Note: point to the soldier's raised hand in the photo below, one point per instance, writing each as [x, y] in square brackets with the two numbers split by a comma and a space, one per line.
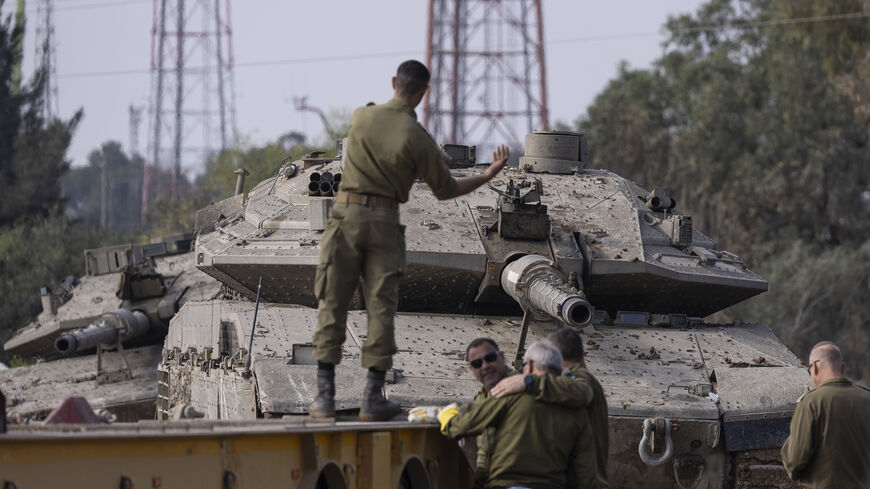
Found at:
[499, 159]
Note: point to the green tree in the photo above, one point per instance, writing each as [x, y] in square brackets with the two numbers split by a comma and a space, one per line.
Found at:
[31, 149]
[262, 162]
[818, 293]
[35, 238]
[83, 189]
[740, 121]
[760, 125]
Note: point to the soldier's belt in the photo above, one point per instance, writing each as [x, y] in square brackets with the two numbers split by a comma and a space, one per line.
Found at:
[372, 200]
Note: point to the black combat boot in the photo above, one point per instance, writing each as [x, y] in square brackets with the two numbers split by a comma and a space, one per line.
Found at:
[375, 407]
[324, 404]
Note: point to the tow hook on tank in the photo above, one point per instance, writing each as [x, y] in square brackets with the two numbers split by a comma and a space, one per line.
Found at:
[651, 425]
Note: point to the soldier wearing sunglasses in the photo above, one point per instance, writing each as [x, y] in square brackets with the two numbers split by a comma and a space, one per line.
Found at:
[487, 365]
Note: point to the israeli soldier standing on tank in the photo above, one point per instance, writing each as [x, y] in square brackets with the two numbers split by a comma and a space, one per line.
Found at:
[829, 443]
[386, 151]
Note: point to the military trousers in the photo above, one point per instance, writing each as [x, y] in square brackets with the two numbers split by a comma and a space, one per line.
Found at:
[359, 241]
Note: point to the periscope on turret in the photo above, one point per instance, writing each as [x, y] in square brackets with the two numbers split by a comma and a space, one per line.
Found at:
[551, 242]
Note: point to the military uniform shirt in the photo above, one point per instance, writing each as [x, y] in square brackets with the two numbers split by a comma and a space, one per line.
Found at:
[829, 442]
[483, 439]
[588, 396]
[388, 149]
[534, 442]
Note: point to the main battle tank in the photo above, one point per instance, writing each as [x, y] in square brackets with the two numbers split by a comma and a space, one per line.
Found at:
[99, 336]
[547, 243]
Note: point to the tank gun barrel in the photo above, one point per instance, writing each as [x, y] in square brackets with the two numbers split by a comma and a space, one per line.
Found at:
[109, 329]
[539, 286]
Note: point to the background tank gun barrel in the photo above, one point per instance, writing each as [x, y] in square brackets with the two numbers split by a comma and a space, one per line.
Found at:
[112, 327]
[539, 286]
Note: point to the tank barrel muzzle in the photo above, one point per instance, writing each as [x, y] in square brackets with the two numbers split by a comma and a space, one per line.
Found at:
[108, 330]
[537, 285]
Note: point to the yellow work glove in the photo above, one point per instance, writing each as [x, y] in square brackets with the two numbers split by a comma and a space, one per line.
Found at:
[423, 414]
[447, 413]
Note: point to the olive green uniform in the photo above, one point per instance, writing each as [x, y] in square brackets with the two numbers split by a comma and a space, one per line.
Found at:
[595, 405]
[829, 443]
[386, 151]
[484, 443]
[534, 443]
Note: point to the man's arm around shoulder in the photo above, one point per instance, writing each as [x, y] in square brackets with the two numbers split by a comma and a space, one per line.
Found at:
[575, 392]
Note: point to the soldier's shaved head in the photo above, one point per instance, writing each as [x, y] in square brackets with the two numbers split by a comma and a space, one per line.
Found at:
[826, 362]
[828, 352]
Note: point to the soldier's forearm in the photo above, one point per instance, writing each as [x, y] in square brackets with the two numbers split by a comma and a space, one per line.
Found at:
[469, 184]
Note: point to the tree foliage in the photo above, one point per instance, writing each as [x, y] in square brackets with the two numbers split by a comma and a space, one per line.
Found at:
[750, 118]
[109, 169]
[34, 236]
[31, 149]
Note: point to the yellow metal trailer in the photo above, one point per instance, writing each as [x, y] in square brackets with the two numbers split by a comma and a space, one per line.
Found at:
[285, 453]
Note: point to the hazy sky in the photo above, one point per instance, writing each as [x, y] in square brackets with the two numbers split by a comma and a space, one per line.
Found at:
[585, 42]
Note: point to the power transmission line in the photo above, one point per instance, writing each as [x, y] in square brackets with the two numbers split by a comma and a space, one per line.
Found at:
[92, 5]
[608, 37]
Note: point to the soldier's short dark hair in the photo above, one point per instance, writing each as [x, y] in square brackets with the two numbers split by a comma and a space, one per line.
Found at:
[479, 341]
[411, 77]
[569, 343]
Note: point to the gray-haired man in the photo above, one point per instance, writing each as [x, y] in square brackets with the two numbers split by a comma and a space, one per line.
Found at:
[535, 443]
[829, 443]
[586, 394]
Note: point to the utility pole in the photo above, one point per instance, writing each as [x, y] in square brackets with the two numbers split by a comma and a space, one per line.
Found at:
[46, 55]
[192, 108]
[489, 76]
[104, 193]
[135, 121]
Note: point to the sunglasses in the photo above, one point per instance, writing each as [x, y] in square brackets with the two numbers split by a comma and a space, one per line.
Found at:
[489, 358]
[810, 368]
